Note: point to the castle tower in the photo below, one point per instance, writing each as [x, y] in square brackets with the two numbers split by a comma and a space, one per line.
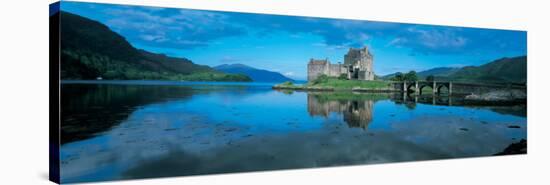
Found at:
[315, 68]
[359, 63]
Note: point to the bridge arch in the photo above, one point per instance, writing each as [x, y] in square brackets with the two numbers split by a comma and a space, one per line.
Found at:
[411, 87]
[443, 86]
[421, 87]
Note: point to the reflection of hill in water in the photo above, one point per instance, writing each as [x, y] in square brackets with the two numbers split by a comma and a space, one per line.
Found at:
[357, 112]
[87, 109]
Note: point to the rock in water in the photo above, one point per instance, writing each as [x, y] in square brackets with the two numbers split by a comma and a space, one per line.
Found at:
[515, 148]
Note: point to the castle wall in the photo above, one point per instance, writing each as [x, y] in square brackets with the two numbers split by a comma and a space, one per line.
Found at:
[315, 70]
[366, 75]
[362, 75]
[336, 70]
[370, 76]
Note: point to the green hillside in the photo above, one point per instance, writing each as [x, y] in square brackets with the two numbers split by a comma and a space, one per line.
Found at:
[501, 70]
[90, 50]
[504, 70]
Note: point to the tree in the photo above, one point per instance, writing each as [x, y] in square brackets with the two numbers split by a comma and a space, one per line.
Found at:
[321, 79]
[288, 83]
[398, 77]
[410, 76]
[343, 77]
[430, 78]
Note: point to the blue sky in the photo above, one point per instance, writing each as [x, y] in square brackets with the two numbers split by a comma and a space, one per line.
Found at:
[286, 43]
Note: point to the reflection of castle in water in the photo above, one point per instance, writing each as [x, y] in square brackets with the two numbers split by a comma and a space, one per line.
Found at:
[357, 113]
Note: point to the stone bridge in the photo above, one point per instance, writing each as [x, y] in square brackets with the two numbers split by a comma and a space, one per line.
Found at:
[457, 88]
[433, 100]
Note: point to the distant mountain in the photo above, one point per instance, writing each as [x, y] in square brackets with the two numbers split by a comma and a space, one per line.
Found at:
[258, 75]
[89, 50]
[502, 70]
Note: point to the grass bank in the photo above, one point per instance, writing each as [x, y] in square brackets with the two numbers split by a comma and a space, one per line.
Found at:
[335, 84]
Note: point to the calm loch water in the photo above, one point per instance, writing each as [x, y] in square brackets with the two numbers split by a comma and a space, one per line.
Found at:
[139, 129]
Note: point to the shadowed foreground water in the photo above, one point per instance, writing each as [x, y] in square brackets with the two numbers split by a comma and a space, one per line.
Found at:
[123, 130]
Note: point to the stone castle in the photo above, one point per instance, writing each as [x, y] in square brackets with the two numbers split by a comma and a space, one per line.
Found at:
[357, 66]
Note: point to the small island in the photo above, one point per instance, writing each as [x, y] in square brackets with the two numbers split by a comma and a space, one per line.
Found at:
[356, 74]
[325, 83]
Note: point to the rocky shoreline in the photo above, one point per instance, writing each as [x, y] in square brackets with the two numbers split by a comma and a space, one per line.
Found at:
[493, 98]
[498, 97]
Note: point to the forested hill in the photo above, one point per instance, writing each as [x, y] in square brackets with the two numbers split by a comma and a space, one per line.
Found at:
[502, 70]
[89, 50]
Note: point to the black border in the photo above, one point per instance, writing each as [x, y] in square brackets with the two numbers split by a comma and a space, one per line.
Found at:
[54, 44]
